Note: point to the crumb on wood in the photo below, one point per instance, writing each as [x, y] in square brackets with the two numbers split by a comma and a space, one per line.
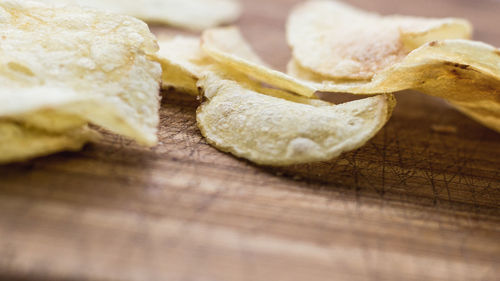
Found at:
[444, 129]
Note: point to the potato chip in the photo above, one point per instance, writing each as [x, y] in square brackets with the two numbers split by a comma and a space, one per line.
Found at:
[244, 99]
[270, 130]
[18, 142]
[341, 42]
[50, 121]
[228, 47]
[92, 66]
[184, 63]
[465, 73]
[191, 14]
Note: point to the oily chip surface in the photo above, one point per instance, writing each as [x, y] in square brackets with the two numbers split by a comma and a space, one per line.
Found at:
[190, 14]
[269, 130]
[465, 73]
[91, 65]
[341, 42]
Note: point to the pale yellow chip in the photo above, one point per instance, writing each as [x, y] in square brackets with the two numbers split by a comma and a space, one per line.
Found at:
[270, 130]
[246, 99]
[341, 42]
[184, 63]
[465, 73]
[191, 14]
[92, 66]
[228, 47]
[19, 142]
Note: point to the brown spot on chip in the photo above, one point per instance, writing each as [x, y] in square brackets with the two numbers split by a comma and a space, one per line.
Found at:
[433, 43]
[497, 51]
[457, 65]
[455, 73]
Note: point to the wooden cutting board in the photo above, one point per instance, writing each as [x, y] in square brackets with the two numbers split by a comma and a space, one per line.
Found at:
[419, 202]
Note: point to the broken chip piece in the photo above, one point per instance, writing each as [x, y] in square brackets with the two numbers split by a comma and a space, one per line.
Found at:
[465, 73]
[340, 42]
[54, 62]
[270, 130]
[190, 14]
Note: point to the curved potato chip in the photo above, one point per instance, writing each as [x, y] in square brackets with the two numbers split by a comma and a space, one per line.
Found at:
[341, 42]
[184, 63]
[52, 58]
[18, 142]
[465, 73]
[226, 42]
[273, 131]
[50, 121]
[228, 47]
[191, 14]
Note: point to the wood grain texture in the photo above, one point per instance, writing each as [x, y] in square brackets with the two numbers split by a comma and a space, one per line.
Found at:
[419, 202]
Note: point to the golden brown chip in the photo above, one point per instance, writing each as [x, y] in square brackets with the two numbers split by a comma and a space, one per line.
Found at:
[465, 73]
[269, 130]
[53, 60]
[191, 14]
[341, 42]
